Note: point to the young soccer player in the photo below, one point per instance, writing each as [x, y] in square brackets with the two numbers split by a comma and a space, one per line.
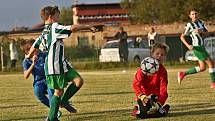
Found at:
[151, 89]
[57, 69]
[195, 29]
[35, 66]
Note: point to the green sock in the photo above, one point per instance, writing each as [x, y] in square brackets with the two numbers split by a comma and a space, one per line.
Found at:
[212, 74]
[192, 71]
[70, 91]
[55, 102]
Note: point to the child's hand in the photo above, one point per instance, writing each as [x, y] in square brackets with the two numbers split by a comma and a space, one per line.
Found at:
[155, 107]
[27, 56]
[34, 59]
[144, 99]
[197, 30]
[190, 47]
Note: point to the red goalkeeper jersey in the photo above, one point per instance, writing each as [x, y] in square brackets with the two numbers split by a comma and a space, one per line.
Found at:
[155, 84]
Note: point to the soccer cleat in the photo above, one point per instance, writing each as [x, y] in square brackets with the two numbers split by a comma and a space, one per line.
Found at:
[181, 76]
[213, 85]
[166, 108]
[135, 110]
[47, 119]
[69, 107]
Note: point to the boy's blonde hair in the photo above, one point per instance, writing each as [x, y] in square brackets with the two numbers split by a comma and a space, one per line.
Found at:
[48, 11]
[161, 46]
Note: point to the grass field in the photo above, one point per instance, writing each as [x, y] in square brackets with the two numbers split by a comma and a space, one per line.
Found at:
[107, 96]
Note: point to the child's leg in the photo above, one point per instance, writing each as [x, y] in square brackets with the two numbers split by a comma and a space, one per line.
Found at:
[210, 64]
[39, 92]
[73, 76]
[72, 89]
[142, 109]
[57, 82]
[194, 70]
[55, 102]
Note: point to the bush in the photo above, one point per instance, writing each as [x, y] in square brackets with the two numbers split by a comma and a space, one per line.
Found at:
[80, 53]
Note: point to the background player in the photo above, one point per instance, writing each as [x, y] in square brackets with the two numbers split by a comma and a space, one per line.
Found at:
[196, 29]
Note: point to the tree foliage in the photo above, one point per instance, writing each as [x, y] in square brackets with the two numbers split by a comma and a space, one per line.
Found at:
[66, 15]
[167, 11]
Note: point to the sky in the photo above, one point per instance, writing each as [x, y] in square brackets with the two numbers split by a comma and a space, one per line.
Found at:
[27, 12]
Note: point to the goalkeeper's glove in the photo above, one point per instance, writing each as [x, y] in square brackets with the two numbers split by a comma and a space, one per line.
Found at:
[156, 106]
[144, 99]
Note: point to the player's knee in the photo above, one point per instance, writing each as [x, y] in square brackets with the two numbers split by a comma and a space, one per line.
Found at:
[79, 82]
[202, 68]
[58, 92]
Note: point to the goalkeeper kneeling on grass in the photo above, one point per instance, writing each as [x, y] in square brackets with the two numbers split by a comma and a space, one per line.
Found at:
[151, 89]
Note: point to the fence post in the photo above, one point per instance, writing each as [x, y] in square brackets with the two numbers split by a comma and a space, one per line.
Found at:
[2, 57]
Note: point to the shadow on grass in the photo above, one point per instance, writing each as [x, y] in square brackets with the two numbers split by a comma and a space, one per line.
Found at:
[86, 116]
[13, 99]
[191, 106]
[101, 114]
[106, 93]
[192, 109]
[27, 118]
[199, 112]
[16, 106]
[84, 102]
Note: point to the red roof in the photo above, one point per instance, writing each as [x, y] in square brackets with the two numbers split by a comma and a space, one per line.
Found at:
[101, 20]
[101, 12]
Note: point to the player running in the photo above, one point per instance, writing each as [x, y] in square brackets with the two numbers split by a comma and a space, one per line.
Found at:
[196, 29]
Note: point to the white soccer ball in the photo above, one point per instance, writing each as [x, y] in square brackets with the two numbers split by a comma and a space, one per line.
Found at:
[150, 65]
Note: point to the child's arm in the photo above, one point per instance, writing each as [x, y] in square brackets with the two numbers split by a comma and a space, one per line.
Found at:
[183, 39]
[30, 69]
[137, 87]
[31, 51]
[34, 47]
[186, 32]
[82, 27]
[163, 87]
[137, 83]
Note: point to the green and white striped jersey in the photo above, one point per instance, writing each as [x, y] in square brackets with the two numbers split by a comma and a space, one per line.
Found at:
[52, 40]
[197, 39]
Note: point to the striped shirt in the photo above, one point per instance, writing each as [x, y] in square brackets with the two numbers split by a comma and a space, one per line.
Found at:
[52, 40]
[197, 39]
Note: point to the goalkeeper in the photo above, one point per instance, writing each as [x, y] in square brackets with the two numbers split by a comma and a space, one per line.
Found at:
[151, 89]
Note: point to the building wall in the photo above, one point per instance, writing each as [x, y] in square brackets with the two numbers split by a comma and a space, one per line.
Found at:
[99, 13]
[99, 38]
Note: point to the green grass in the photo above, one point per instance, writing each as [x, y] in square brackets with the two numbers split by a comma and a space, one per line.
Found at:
[107, 96]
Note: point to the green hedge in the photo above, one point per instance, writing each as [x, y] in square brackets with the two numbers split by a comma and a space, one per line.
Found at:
[80, 53]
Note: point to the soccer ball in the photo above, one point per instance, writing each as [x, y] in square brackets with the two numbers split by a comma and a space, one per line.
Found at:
[150, 65]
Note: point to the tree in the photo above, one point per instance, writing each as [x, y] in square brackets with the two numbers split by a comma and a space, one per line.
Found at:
[167, 11]
[66, 15]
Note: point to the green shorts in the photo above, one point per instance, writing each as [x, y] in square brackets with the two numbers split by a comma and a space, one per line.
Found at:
[200, 52]
[60, 81]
